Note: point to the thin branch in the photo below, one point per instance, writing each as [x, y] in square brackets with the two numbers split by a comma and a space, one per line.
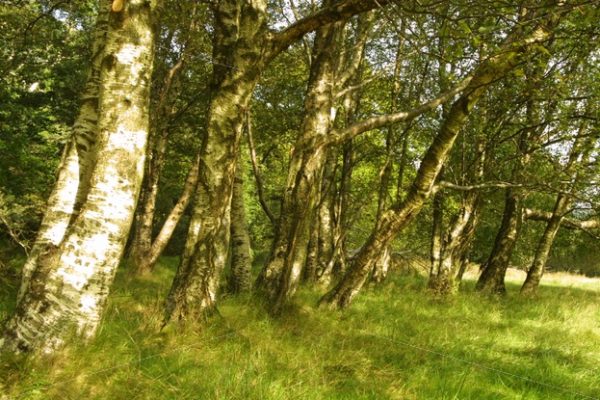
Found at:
[479, 186]
[336, 12]
[338, 137]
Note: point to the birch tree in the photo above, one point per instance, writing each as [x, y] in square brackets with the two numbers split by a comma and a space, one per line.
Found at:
[512, 53]
[67, 291]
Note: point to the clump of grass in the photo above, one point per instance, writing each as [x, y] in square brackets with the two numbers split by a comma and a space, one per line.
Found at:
[395, 342]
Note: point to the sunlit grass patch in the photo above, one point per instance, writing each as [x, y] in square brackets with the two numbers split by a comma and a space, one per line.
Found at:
[395, 342]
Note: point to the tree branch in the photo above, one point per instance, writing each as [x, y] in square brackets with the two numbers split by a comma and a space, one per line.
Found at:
[539, 215]
[480, 186]
[339, 137]
[336, 12]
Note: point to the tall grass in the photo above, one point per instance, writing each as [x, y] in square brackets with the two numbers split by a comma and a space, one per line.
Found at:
[395, 342]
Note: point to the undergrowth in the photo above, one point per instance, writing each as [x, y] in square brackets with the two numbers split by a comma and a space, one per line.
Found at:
[395, 342]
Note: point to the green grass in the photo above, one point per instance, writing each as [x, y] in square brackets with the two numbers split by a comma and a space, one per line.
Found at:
[395, 342]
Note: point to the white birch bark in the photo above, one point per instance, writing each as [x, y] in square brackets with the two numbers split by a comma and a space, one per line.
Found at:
[68, 290]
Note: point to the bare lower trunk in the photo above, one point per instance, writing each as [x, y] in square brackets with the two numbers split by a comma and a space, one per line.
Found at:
[144, 219]
[436, 238]
[492, 277]
[239, 36]
[280, 276]
[535, 272]
[241, 257]
[68, 290]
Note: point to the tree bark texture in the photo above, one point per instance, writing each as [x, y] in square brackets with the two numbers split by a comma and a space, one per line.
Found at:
[68, 290]
[280, 276]
[241, 253]
[240, 29]
[72, 183]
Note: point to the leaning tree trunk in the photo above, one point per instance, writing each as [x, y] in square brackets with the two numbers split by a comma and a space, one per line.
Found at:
[239, 35]
[241, 256]
[399, 215]
[243, 47]
[68, 290]
[72, 183]
[148, 260]
[581, 150]
[542, 252]
[492, 278]
[143, 249]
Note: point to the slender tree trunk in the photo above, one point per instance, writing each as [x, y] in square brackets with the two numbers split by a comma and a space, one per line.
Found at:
[239, 36]
[326, 221]
[144, 219]
[445, 276]
[241, 256]
[535, 272]
[492, 277]
[581, 149]
[382, 266]
[399, 215]
[142, 246]
[436, 238]
[69, 288]
[72, 183]
[150, 258]
[280, 276]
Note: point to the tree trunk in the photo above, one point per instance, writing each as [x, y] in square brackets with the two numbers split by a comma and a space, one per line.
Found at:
[436, 238]
[241, 257]
[144, 220]
[327, 221]
[535, 272]
[239, 36]
[150, 258]
[580, 153]
[446, 270]
[72, 183]
[399, 215]
[142, 247]
[280, 276]
[243, 47]
[69, 288]
[492, 277]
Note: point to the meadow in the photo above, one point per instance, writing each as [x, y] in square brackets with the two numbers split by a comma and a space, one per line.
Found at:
[395, 342]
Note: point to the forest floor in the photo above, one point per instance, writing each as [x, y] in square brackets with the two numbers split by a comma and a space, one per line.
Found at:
[395, 342]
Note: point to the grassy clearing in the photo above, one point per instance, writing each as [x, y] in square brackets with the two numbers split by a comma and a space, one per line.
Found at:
[396, 342]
